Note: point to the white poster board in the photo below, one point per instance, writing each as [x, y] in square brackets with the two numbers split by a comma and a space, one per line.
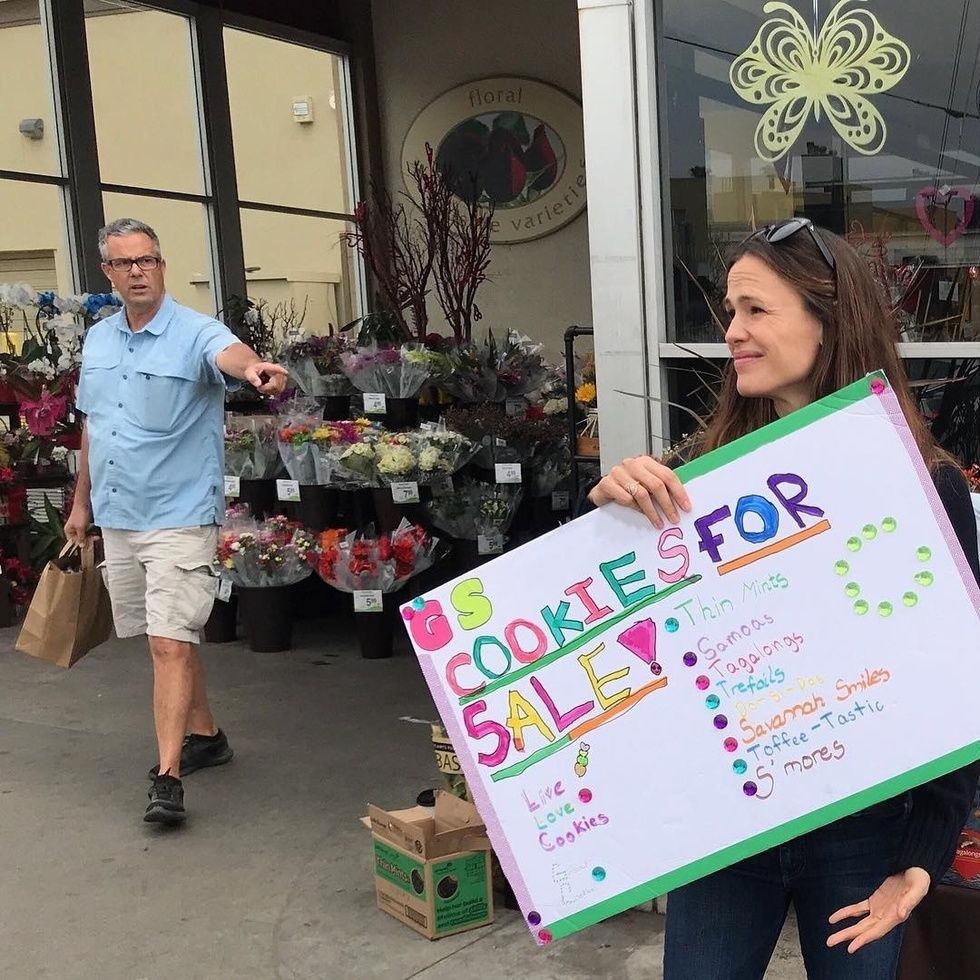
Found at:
[634, 709]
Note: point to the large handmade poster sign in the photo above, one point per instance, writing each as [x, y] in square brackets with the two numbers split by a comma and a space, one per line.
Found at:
[635, 708]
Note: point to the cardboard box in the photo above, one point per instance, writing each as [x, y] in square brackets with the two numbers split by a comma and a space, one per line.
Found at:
[966, 864]
[432, 866]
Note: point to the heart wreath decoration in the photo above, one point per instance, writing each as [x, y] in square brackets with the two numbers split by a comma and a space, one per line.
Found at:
[940, 197]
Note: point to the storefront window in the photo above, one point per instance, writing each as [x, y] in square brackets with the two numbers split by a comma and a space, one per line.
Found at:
[35, 251]
[886, 152]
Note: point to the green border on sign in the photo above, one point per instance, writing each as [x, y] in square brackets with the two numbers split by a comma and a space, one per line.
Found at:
[791, 423]
[766, 840]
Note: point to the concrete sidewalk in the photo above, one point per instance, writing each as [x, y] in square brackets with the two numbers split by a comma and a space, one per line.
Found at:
[272, 875]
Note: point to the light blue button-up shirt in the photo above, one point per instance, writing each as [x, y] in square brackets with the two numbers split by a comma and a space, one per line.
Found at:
[154, 402]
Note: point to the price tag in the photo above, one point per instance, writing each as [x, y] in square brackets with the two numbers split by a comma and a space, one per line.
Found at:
[443, 487]
[491, 543]
[500, 443]
[368, 600]
[405, 493]
[515, 406]
[559, 500]
[287, 489]
[508, 472]
[224, 589]
[375, 404]
[233, 486]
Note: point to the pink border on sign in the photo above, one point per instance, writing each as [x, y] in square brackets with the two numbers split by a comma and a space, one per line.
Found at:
[898, 420]
[486, 810]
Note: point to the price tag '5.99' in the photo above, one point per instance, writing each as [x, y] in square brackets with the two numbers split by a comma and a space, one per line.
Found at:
[375, 404]
[287, 489]
[233, 486]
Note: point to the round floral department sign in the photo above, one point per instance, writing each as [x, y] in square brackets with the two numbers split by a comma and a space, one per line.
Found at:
[513, 143]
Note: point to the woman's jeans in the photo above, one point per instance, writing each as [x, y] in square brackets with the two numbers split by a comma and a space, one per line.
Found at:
[725, 926]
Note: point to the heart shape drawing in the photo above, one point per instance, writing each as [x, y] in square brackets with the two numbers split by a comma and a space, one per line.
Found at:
[941, 197]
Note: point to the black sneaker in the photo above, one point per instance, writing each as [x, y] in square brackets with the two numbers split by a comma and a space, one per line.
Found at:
[166, 801]
[201, 751]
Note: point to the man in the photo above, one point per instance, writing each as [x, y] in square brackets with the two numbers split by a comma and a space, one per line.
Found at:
[151, 474]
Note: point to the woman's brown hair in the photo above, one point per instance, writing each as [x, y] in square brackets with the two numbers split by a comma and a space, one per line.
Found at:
[858, 337]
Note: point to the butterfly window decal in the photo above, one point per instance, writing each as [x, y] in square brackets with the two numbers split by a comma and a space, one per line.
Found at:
[835, 71]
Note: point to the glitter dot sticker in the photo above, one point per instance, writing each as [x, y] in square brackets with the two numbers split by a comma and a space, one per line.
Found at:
[885, 609]
[672, 626]
[721, 722]
[656, 669]
[841, 567]
[853, 544]
[690, 658]
[909, 599]
[584, 796]
[861, 607]
[712, 701]
[419, 603]
[852, 590]
[544, 936]
[889, 524]
[749, 788]
[730, 744]
[924, 578]
[739, 766]
[534, 918]
[599, 874]
[869, 532]
[923, 553]
[877, 386]
[407, 614]
[702, 683]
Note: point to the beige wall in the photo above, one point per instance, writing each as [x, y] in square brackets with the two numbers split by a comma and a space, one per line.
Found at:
[148, 135]
[426, 47]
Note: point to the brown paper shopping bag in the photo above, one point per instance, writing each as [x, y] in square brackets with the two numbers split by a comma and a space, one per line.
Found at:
[70, 612]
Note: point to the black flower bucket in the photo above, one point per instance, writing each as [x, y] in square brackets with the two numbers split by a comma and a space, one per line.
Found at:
[267, 618]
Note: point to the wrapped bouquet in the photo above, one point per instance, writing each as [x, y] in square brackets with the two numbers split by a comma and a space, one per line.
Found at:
[301, 416]
[353, 563]
[315, 364]
[475, 509]
[397, 372]
[251, 450]
[274, 553]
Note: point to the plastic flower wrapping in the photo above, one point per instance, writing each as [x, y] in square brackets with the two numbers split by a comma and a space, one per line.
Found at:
[503, 438]
[492, 372]
[251, 450]
[315, 364]
[298, 418]
[344, 452]
[396, 372]
[475, 508]
[255, 555]
[352, 562]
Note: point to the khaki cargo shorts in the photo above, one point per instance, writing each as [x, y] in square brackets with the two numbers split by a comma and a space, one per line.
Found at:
[160, 582]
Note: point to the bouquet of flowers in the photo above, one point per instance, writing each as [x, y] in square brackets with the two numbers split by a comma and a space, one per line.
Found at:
[251, 450]
[397, 458]
[352, 563]
[275, 552]
[475, 508]
[552, 396]
[467, 373]
[345, 453]
[520, 364]
[315, 364]
[424, 456]
[301, 416]
[397, 372]
[507, 439]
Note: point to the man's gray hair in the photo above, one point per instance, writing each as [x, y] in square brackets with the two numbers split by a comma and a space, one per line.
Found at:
[125, 226]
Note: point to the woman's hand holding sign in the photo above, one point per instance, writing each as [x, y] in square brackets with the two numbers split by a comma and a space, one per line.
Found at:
[648, 485]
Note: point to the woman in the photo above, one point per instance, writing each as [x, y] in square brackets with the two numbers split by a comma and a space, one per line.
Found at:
[806, 319]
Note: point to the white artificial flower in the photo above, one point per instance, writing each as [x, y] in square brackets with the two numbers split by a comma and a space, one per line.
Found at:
[251, 316]
[59, 454]
[17, 294]
[69, 304]
[65, 362]
[42, 367]
[555, 406]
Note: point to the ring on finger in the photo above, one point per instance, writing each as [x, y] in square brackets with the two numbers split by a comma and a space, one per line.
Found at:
[632, 488]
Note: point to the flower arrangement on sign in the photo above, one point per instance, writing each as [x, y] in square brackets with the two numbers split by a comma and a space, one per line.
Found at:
[396, 372]
[315, 364]
[262, 555]
[251, 449]
[353, 563]
[474, 509]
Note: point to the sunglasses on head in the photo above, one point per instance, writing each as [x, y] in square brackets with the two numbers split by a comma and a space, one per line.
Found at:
[779, 232]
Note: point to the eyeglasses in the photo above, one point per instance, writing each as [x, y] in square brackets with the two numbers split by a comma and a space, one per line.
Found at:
[146, 262]
[774, 234]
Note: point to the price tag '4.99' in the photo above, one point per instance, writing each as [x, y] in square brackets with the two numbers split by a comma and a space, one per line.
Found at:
[508, 472]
